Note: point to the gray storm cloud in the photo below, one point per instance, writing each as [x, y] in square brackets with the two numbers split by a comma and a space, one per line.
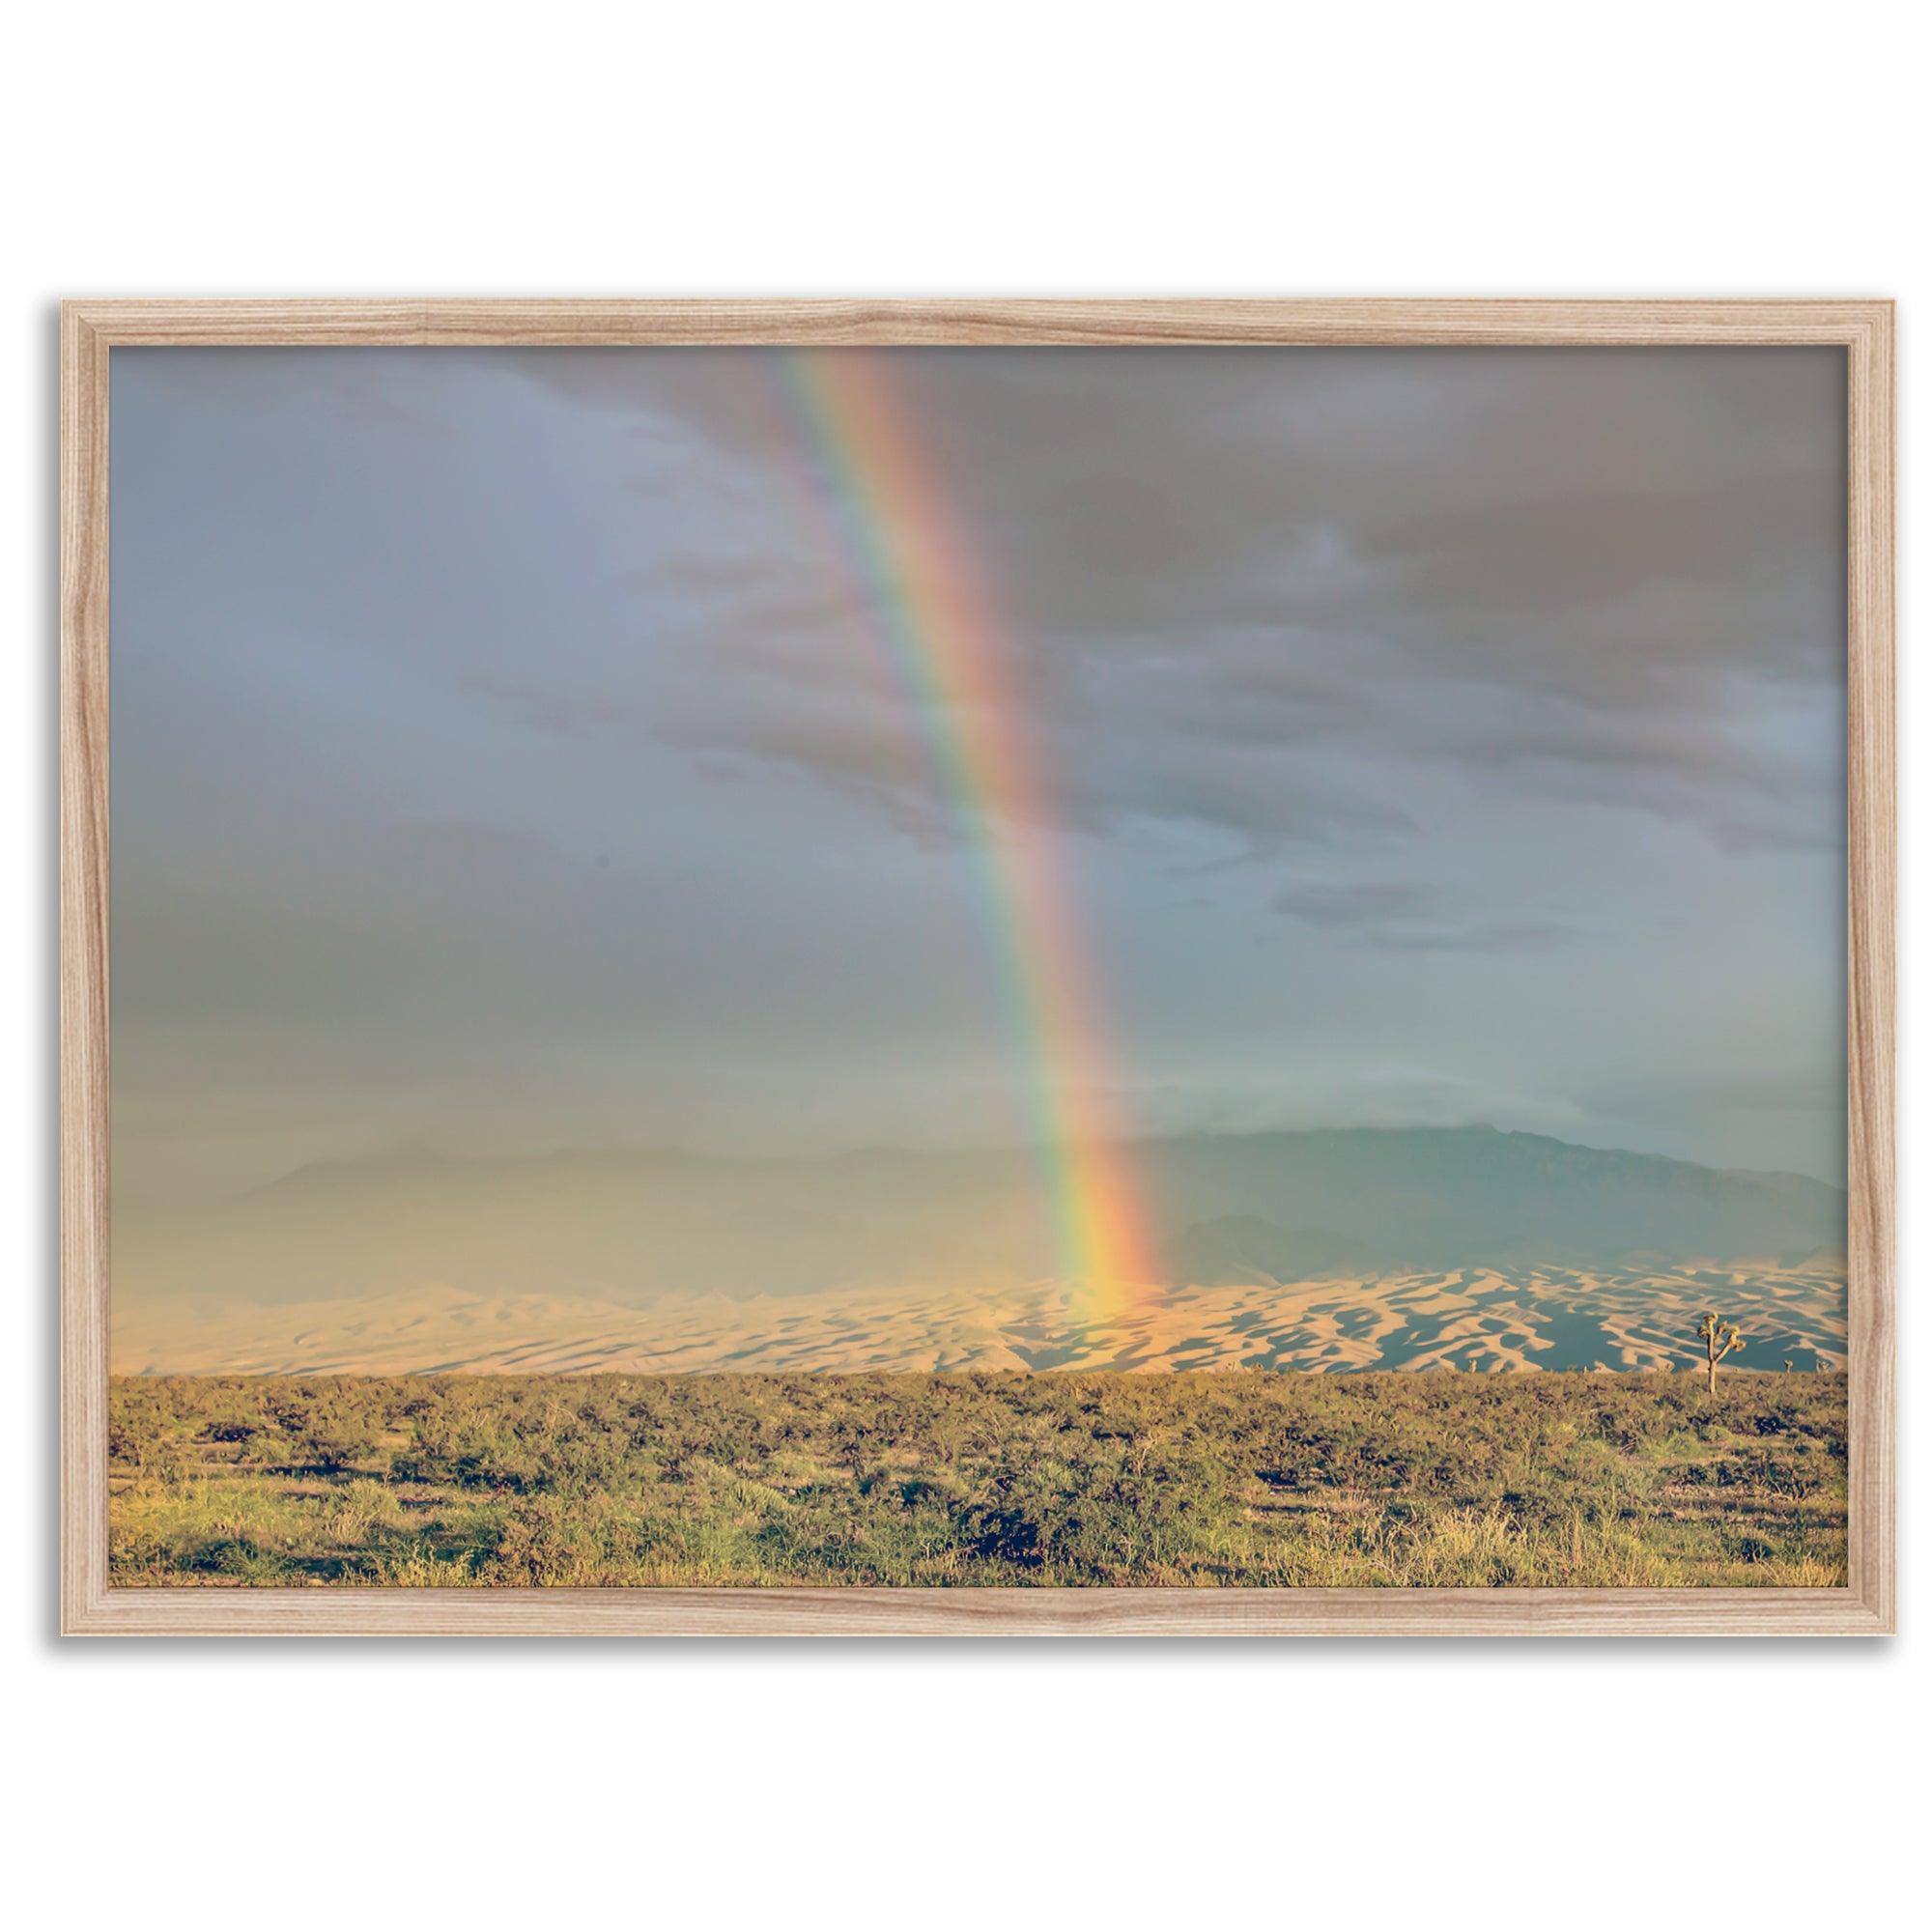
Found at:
[504, 757]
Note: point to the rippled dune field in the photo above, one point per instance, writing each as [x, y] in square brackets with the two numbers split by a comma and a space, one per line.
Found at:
[1471, 1319]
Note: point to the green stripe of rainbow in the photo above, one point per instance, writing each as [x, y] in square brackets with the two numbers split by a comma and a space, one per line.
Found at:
[927, 592]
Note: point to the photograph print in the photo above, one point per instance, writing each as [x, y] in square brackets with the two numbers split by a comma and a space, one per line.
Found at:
[1207, 967]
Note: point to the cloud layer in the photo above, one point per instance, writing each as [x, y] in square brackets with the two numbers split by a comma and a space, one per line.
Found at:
[507, 753]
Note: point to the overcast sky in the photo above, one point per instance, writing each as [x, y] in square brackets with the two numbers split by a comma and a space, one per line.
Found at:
[502, 761]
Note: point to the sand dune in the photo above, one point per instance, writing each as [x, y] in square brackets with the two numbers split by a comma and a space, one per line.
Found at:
[1471, 1319]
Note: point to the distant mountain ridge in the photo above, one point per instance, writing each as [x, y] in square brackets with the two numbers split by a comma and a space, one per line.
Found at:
[630, 1227]
[1458, 1197]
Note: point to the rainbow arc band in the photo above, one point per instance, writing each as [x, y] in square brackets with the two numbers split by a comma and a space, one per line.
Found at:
[927, 592]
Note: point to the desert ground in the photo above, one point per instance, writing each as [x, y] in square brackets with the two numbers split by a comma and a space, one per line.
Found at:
[1399, 1359]
[1193, 1480]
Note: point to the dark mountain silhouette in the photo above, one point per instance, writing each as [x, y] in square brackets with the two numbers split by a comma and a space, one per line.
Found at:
[628, 1227]
[1471, 1196]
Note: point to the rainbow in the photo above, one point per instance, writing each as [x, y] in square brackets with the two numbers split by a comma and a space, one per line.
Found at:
[904, 554]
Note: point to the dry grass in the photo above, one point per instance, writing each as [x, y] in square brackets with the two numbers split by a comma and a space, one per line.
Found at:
[1240, 1477]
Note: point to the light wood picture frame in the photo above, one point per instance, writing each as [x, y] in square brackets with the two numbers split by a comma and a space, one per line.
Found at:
[93, 330]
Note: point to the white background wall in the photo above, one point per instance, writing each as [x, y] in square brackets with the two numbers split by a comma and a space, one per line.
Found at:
[998, 148]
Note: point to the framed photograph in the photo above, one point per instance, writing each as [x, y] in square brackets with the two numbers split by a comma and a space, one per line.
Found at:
[978, 967]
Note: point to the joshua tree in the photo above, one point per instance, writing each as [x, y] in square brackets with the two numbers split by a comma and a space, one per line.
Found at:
[1720, 1339]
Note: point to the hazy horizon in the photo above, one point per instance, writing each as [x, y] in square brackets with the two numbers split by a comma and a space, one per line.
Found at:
[421, 1152]
[507, 761]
